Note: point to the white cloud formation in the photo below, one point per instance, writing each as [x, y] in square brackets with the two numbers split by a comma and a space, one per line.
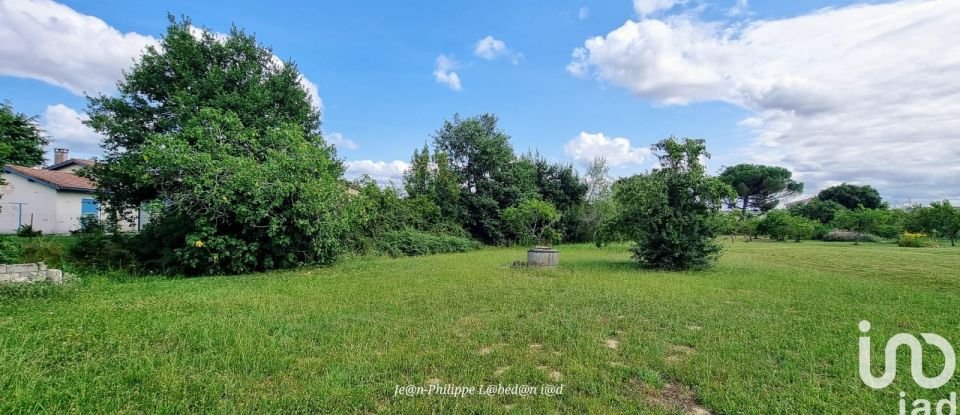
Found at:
[341, 142]
[53, 43]
[384, 172]
[50, 42]
[648, 7]
[861, 94]
[490, 48]
[618, 151]
[66, 129]
[444, 73]
[739, 8]
[583, 13]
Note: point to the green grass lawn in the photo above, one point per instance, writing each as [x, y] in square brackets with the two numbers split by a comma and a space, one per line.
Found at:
[771, 329]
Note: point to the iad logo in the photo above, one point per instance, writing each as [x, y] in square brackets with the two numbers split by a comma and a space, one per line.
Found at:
[916, 359]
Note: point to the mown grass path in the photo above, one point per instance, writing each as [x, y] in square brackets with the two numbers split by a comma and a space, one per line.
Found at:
[772, 329]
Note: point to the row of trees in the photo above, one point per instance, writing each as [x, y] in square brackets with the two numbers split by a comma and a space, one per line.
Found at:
[222, 145]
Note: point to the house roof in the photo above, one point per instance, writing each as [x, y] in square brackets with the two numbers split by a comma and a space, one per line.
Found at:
[60, 180]
[70, 162]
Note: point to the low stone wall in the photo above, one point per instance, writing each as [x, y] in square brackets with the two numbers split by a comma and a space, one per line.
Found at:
[30, 273]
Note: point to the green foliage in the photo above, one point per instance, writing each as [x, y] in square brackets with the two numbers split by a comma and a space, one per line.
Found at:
[822, 211]
[9, 250]
[776, 224]
[532, 222]
[474, 177]
[490, 180]
[841, 235]
[861, 220]
[916, 240]
[940, 219]
[409, 242]
[99, 245]
[852, 196]
[44, 249]
[670, 212]
[879, 222]
[781, 225]
[225, 142]
[26, 231]
[759, 187]
[21, 140]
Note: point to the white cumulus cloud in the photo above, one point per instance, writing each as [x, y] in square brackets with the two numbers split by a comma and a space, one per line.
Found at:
[864, 94]
[618, 151]
[53, 43]
[384, 172]
[66, 129]
[341, 142]
[491, 48]
[444, 73]
[647, 7]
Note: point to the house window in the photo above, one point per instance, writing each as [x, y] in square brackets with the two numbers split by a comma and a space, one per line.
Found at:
[90, 207]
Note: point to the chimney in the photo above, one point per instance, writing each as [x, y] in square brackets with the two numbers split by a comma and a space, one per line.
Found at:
[60, 155]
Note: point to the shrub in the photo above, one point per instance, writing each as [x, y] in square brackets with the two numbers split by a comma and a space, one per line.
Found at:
[100, 245]
[840, 235]
[532, 222]
[26, 231]
[916, 240]
[776, 224]
[47, 250]
[670, 212]
[409, 242]
[9, 250]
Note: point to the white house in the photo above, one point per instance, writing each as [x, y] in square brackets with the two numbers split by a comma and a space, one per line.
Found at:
[51, 199]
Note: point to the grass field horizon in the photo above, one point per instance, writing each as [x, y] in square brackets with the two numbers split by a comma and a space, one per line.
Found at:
[771, 329]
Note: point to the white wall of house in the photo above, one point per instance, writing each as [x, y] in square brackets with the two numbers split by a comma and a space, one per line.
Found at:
[37, 201]
[53, 212]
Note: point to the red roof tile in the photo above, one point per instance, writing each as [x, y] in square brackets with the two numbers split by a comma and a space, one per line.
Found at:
[59, 180]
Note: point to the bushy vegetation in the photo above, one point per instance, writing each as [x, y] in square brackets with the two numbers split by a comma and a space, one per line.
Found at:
[917, 240]
[671, 213]
[840, 235]
[409, 242]
[224, 144]
[9, 250]
[22, 141]
[26, 231]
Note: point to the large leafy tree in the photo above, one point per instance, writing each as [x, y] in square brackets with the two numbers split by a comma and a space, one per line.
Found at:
[942, 220]
[491, 178]
[759, 187]
[223, 141]
[852, 196]
[671, 213]
[816, 209]
[21, 140]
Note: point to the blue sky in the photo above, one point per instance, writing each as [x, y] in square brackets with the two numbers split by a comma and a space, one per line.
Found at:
[374, 65]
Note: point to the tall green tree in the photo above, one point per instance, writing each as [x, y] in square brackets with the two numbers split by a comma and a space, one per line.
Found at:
[491, 178]
[852, 196]
[942, 220]
[417, 180]
[759, 187]
[21, 140]
[223, 141]
[671, 213]
[816, 209]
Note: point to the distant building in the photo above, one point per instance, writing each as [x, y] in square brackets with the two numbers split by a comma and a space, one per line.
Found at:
[51, 199]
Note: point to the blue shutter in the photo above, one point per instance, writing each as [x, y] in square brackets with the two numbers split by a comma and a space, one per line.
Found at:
[90, 207]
